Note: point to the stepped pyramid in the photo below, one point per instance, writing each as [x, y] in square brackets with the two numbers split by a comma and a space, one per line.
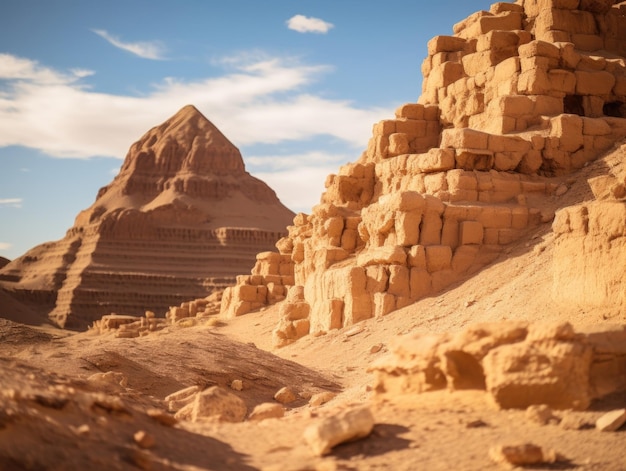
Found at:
[179, 221]
[514, 103]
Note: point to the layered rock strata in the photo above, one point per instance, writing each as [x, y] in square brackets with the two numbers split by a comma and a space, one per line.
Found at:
[517, 99]
[180, 220]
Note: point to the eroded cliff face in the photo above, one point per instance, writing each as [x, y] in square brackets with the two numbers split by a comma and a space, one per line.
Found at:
[180, 220]
[514, 103]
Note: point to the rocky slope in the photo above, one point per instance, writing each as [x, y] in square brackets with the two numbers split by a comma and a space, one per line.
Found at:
[180, 220]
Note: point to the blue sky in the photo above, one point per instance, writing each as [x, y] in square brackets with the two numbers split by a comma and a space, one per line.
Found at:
[296, 85]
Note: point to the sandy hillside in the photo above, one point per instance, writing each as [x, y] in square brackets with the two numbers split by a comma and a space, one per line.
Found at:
[55, 417]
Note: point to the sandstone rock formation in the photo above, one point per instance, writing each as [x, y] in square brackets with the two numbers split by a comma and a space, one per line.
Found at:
[517, 364]
[180, 220]
[518, 99]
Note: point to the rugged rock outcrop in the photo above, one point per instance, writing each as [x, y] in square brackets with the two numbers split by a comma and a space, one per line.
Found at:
[516, 363]
[518, 99]
[180, 220]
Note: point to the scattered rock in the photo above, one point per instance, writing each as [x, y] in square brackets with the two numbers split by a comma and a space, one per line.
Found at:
[347, 425]
[162, 417]
[521, 455]
[237, 385]
[354, 331]
[573, 421]
[376, 348]
[476, 424]
[540, 414]
[285, 395]
[561, 190]
[109, 381]
[611, 421]
[267, 410]
[180, 399]
[321, 398]
[214, 403]
[143, 439]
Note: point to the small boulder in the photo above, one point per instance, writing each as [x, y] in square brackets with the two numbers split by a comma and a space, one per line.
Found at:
[611, 421]
[214, 403]
[540, 414]
[521, 455]
[267, 410]
[285, 395]
[347, 425]
[321, 398]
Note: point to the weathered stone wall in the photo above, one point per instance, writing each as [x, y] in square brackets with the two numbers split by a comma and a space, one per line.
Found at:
[509, 105]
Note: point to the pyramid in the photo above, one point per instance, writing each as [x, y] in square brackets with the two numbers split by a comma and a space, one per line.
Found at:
[180, 221]
[514, 104]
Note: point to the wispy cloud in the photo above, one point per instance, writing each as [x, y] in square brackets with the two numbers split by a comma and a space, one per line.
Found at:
[308, 24]
[255, 101]
[5, 246]
[11, 202]
[145, 49]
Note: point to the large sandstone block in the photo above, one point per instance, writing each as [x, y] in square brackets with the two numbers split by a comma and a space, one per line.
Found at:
[435, 160]
[533, 8]
[555, 373]
[457, 138]
[572, 21]
[438, 257]
[445, 44]
[594, 83]
[474, 159]
[470, 232]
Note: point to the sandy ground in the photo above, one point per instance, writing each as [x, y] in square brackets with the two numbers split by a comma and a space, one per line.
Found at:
[53, 418]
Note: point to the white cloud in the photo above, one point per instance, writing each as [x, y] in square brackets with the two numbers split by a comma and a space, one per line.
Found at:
[308, 24]
[254, 102]
[297, 179]
[5, 246]
[11, 202]
[298, 188]
[144, 49]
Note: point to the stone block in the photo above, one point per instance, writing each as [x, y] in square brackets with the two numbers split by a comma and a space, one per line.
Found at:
[421, 283]
[588, 42]
[410, 111]
[348, 425]
[470, 232]
[218, 403]
[464, 138]
[539, 48]
[572, 21]
[596, 127]
[534, 82]
[562, 81]
[547, 105]
[417, 257]
[555, 373]
[407, 227]
[534, 8]
[450, 233]
[569, 129]
[464, 257]
[384, 303]
[399, 281]
[506, 21]
[474, 159]
[596, 6]
[398, 144]
[498, 217]
[438, 257]
[497, 40]
[430, 231]
[435, 160]
[444, 75]
[445, 44]
[405, 201]
[594, 83]
[387, 255]
[377, 278]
